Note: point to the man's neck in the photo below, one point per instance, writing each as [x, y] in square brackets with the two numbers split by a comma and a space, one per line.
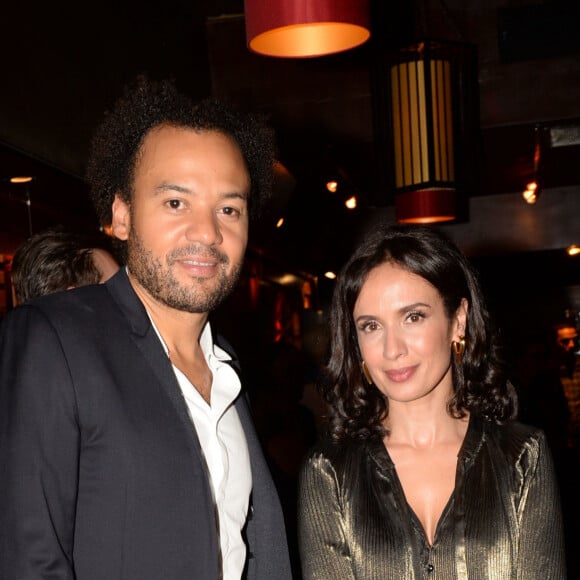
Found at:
[179, 329]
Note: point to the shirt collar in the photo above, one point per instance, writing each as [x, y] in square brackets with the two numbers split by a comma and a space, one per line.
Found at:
[209, 347]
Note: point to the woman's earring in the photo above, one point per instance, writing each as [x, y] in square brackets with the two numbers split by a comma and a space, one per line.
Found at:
[458, 348]
[366, 372]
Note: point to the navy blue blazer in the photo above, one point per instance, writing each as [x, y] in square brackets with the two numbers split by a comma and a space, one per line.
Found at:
[101, 471]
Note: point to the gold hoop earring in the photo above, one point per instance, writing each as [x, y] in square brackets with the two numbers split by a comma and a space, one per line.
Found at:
[366, 372]
[458, 347]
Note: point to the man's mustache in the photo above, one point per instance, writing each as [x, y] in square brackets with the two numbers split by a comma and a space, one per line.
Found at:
[197, 250]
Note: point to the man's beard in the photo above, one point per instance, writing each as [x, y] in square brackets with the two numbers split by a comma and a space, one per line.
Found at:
[202, 295]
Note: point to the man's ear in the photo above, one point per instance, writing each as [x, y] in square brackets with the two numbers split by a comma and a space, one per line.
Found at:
[121, 224]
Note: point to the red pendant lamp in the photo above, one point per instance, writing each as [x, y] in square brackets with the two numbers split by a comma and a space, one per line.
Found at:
[305, 28]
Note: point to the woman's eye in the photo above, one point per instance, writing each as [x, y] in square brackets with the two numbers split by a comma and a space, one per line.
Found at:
[369, 326]
[415, 316]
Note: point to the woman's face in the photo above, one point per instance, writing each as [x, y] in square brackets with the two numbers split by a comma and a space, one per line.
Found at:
[404, 334]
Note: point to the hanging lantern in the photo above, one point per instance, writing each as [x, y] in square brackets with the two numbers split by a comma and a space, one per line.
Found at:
[306, 28]
[423, 87]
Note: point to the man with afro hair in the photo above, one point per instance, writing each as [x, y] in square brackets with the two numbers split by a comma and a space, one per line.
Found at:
[127, 449]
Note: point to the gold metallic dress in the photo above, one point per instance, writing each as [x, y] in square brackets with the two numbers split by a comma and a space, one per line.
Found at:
[502, 522]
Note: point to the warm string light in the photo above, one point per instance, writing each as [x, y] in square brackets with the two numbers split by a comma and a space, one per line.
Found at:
[351, 202]
[332, 186]
[530, 194]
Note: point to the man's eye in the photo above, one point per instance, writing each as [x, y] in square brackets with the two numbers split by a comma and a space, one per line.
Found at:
[174, 203]
[230, 211]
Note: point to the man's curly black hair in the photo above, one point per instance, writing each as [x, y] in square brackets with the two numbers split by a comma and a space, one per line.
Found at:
[146, 104]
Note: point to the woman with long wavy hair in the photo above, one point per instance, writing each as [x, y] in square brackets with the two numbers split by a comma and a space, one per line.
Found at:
[425, 473]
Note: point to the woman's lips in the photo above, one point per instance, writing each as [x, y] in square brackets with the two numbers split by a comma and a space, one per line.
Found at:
[401, 375]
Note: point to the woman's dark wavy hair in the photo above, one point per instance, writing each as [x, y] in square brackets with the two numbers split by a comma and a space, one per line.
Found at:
[357, 410]
[146, 104]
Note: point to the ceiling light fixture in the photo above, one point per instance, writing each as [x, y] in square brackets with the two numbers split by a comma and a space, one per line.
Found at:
[427, 95]
[25, 181]
[305, 28]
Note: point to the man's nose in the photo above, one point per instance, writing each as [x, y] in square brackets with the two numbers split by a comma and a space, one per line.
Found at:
[204, 227]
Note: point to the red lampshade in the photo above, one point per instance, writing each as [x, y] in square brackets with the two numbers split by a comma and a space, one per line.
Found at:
[306, 28]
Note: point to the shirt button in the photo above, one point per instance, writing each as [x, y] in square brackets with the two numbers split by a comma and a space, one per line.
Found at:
[430, 568]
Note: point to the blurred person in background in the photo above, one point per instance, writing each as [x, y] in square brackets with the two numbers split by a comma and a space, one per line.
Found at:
[567, 340]
[56, 259]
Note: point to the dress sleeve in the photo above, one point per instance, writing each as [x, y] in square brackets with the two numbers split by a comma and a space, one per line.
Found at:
[39, 448]
[541, 551]
[324, 551]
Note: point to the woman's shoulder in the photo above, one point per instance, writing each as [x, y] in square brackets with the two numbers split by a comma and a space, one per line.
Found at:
[330, 447]
[340, 456]
[513, 429]
[514, 436]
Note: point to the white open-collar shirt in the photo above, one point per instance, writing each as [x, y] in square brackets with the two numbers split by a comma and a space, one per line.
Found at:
[225, 450]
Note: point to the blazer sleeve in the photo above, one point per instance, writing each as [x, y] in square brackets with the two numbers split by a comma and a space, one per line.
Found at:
[39, 448]
[541, 536]
[323, 546]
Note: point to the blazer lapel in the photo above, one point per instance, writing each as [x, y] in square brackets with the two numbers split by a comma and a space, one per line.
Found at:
[148, 342]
